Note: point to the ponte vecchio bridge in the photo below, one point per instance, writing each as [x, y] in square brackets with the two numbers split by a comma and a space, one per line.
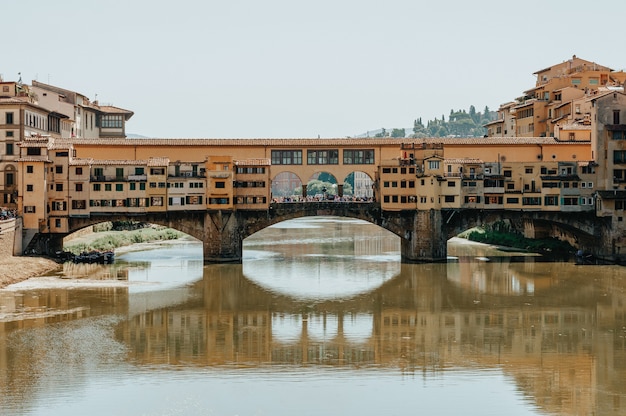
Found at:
[219, 190]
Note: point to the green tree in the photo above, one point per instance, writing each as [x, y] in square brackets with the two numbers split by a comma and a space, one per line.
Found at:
[398, 133]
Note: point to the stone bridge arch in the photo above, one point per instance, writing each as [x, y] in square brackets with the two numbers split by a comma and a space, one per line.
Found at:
[583, 230]
[423, 234]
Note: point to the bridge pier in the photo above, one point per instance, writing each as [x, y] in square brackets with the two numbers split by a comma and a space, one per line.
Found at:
[222, 241]
[423, 237]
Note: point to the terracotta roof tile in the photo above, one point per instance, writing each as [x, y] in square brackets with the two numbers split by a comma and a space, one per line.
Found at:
[34, 159]
[463, 161]
[253, 162]
[158, 161]
[310, 142]
[118, 162]
[80, 161]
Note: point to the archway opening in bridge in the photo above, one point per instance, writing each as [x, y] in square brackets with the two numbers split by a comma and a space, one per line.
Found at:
[358, 185]
[286, 184]
[322, 257]
[322, 185]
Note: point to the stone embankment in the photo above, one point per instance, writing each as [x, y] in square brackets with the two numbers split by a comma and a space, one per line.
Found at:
[14, 269]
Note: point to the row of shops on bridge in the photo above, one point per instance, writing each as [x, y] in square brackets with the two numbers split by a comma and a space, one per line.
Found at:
[55, 185]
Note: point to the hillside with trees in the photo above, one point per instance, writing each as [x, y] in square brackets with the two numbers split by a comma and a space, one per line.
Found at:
[459, 123]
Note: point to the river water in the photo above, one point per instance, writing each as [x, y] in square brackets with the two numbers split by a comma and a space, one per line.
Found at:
[321, 318]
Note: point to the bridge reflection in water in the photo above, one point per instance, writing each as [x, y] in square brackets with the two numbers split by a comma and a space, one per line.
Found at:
[557, 329]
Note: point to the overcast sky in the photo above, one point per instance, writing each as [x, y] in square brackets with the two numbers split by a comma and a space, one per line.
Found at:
[291, 68]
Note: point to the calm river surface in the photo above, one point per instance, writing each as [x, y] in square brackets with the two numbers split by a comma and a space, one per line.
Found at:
[320, 319]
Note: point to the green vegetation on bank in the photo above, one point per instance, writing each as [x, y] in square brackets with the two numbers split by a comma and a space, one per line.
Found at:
[501, 234]
[116, 235]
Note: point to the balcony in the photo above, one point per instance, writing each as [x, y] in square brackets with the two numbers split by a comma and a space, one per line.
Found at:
[114, 178]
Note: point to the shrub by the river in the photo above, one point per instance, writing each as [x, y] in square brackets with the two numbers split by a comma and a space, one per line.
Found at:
[502, 234]
[114, 239]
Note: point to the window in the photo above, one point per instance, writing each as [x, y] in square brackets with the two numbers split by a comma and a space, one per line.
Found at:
[218, 201]
[619, 156]
[142, 186]
[79, 187]
[286, 157]
[615, 116]
[451, 184]
[323, 157]
[139, 171]
[119, 187]
[33, 151]
[132, 186]
[29, 209]
[96, 187]
[59, 187]
[9, 148]
[156, 201]
[449, 198]
[531, 201]
[9, 134]
[79, 204]
[551, 200]
[119, 173]
[29, 188]
[220, 184]
[79, 171]
[107, 186]
[9, 119]
[112, 121]
[433, 164]
[358, 157]
[570, 201]
[59, 205]
[9, 179]
[58, 169]
[30, 169]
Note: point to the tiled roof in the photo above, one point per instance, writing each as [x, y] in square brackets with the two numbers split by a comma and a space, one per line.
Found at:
[158, 161]
[80, 161]
[34, 159]
[118, 162]
[253, 162]
[33, 143]
[312, 142]
[463, 161]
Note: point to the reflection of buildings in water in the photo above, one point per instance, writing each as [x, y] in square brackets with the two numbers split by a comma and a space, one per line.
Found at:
[36, 310]
[507, 276]
[417, 322]
[116, 271]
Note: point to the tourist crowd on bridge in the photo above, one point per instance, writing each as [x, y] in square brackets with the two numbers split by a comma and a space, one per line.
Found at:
[322, 198]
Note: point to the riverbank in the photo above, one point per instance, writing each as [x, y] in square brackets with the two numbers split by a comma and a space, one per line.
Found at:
[14, 269]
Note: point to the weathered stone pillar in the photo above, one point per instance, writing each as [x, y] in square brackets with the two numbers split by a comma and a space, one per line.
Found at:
[304, 190]
[340, 190]
[427, 240]
[222, 239]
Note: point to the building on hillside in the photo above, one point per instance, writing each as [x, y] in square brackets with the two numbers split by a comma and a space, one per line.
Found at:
[540, 110]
